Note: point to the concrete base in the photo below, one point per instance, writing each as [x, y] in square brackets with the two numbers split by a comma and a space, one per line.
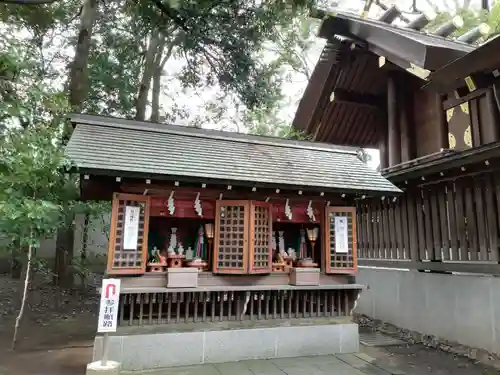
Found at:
[159, 350]
[95, 368]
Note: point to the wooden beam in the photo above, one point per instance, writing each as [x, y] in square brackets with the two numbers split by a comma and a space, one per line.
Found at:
[442, 122]
[351, 97]
[453, 102]
[492, 115]
[393, 130]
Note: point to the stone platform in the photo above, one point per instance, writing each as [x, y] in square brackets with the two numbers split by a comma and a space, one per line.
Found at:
[145, 351]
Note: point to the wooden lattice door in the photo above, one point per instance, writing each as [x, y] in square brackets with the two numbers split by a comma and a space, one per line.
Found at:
[260, 238]
[231, 237]
[340, 240]
[128, 240]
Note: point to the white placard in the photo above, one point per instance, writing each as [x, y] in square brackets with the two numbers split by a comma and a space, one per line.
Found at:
[131, 227]
[341, 235]
[108, 309]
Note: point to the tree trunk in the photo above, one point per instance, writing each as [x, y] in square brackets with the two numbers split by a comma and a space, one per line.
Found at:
[78, 75]
[25, 295]
[147, 75]
[160, 62]
[64, 257]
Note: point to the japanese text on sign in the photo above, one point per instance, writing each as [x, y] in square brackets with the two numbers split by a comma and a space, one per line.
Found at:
[108, 310]
[131, 227]
[341, 235]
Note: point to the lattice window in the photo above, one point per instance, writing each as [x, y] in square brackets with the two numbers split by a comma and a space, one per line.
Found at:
[231, 237]
[122, 260]
[340, 240]
[261, 255]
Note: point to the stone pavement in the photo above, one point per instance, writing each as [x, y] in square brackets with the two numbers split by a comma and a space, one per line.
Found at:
[342, 364]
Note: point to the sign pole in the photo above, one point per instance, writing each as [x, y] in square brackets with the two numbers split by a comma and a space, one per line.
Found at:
[105, 349]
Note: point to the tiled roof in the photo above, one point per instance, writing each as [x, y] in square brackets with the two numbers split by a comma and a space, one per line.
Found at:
[115, 145]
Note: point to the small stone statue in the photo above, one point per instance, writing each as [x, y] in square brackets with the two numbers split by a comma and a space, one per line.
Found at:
[180, 249]
[281, 241]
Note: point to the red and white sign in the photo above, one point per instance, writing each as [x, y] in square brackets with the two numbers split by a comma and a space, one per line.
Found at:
[108, 310]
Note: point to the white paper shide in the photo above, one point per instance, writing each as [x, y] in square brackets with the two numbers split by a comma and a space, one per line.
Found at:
[341, 235]
[131, 227]
[108, 309]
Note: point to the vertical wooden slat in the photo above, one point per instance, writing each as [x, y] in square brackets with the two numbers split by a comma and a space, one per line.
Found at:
[393, 253]
[412, 227]
[131, 299]
[385, 229]
[332, 303]
[318, 303]
[404, 223]
[481, 220]
[436, 227]
[375, 229]
[443, 217]
[429, 241]
[339, 302]
[230, 299]
[220, 302]
[275, 295]
[362, 232]
[461, 224]
[369, 229]
[252, 300]
[141, 307]
[282, 303]
[161, 299]
[151, 305]
[346, 302]
[291, 295]
[420, 223]
[492, 218]
[325, 303]
[267, 302]
[452, 221]
[471, 222]
[178, 301]
[304, 302]
[169, 307]
[310, 297]
[239, 308]
[196, 300]
[259, 305]
[213, 303]
[398, 228]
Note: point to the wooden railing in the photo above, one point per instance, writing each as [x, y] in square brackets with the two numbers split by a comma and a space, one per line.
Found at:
[451, 226]
[245, 304]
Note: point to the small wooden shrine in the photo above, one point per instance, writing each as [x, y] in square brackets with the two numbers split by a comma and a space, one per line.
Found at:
[211, 226]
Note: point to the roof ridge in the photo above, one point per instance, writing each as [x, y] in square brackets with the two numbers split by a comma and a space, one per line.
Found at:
[202, 133]
[406, 29]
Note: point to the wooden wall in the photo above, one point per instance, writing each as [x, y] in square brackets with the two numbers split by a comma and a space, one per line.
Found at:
[450, 226]
[424, 122]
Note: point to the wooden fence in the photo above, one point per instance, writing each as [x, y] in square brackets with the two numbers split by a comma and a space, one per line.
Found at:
[139, 309]
[447, 227]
